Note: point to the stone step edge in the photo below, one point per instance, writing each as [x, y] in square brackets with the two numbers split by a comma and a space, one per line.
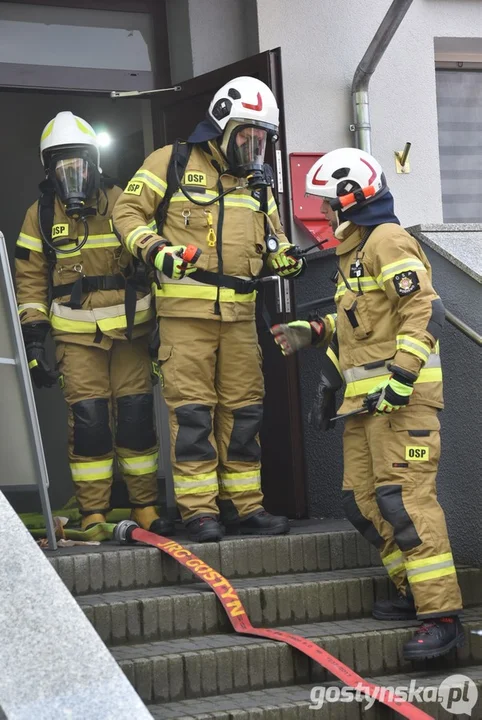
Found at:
[317, 631]
[261, 582]
[141, 617]
[292, 702]
[215, 671]
[131, 567]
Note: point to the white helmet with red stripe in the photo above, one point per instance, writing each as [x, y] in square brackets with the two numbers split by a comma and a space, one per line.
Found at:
[346, 177]
[246, 100]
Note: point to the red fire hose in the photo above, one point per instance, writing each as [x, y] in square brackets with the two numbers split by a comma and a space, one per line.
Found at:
[127, 531]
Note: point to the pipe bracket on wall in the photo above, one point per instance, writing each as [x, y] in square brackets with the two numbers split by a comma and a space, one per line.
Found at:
[402, 164]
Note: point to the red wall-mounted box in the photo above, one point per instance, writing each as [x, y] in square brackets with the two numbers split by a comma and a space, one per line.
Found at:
[306, 208]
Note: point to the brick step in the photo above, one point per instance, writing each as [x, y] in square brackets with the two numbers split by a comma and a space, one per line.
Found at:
[161, 613]
[292, 702]
[218, 664]
[110, 567]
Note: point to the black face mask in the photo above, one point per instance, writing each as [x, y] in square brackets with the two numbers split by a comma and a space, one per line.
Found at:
[75, 177]
[245, 153]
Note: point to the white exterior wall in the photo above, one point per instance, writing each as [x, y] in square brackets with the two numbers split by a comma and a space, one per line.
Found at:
[321, 45]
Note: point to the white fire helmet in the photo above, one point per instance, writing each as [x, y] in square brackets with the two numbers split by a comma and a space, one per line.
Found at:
[67, 131]
[246, 100]
[246, 112]
[346, 177]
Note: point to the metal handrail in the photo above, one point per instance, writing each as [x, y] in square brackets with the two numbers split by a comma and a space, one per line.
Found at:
[452, 319]
[464, 328]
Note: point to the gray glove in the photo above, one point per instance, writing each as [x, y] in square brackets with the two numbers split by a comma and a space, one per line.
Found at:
[293, 336]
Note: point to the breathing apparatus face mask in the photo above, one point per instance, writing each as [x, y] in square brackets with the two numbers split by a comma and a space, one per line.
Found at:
[75, 178]
[244, 146]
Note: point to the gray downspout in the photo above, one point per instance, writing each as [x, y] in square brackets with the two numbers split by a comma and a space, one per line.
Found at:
[366, 68]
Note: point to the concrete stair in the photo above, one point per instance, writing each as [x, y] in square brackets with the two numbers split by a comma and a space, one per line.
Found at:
[171, 636]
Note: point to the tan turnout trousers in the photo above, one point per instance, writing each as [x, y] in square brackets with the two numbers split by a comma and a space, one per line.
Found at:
[213, 386]
[109, 394]
[389, 494]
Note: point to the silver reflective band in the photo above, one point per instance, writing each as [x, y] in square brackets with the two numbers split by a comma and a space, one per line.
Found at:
[361, 373]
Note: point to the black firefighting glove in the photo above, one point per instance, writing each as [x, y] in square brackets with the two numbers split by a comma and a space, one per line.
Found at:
[323, 407]
[34, 335]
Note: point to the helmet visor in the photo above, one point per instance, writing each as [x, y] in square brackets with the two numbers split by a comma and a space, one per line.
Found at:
[249, 146]
[72, 176]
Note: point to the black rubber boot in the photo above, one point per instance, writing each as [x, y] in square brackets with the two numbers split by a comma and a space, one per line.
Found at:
[435, 637]
[261, 523]
[204, 529]
[402, 608]
[163, 526]
[148, 518]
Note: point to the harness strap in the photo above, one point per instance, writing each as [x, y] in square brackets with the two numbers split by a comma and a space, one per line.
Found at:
[87, 284]
[239, 285]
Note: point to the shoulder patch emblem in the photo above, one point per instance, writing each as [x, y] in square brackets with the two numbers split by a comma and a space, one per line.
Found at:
[406, 283]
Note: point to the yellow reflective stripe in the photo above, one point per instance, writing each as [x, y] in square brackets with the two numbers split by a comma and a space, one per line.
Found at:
[120, 321]
[72, 326]
[135, 235]
[86, 321]
[227, 295]
[196, 484]
[153, 181]
[393, 556]
[389, 271]
[83, 128]
[367, 284]
[332, 320]
[30, 242]
[32, 364]
[412, 345]
[178, 290]
[241, 481]
[71, 251]
[272, 206]
[47, 130]
[426, 562]
[94, 242]
[139, 465]
[394, 562]
[362, 387]
[34, 306]
[90, 471]
[432, 574]
[334, 359]
[241, 201]
[199, 195]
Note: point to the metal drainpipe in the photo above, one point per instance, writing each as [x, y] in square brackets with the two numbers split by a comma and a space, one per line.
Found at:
[366, 68]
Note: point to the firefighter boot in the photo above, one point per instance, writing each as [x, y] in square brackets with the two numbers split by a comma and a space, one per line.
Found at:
[261, 522]
[91, 519]
[402, 608]
[148, 519]
[204, 528]
[435, 637]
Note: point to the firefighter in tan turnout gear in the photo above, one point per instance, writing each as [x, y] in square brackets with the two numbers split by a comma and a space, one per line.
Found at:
[74, 278]
[387, 326]
[211, 195]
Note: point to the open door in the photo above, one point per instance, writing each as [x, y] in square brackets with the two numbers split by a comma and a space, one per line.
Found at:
[174, 116]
